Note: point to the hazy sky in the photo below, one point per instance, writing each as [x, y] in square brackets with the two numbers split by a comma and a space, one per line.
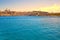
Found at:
[30, 5]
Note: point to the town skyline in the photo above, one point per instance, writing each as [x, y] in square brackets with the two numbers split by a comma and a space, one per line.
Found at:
[8, 12]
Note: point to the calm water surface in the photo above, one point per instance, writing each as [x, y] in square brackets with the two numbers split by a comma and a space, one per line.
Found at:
[29, 28]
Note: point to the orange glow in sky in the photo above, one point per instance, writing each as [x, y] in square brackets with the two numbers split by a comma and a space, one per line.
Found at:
[31, 5]
[53, 8]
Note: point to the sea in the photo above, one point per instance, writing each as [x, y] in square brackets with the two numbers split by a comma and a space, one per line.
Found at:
[29, 28]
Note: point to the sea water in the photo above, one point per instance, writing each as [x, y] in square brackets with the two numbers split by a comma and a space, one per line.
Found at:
[29, 28]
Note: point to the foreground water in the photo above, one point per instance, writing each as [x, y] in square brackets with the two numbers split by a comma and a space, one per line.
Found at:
[29, 28]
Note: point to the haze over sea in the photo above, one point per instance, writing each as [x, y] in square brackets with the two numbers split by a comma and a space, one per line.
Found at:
[29, 28]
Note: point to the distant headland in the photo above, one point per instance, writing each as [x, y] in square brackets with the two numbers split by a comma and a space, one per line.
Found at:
[32, 13]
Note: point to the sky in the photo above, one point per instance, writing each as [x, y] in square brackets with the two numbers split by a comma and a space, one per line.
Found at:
[31, 5]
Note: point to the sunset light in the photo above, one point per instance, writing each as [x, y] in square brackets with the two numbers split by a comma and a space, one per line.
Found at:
[31, 5]
[53, 8]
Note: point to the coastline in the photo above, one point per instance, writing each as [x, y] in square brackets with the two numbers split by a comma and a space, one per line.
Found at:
[33, 13]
